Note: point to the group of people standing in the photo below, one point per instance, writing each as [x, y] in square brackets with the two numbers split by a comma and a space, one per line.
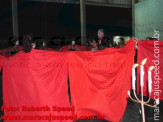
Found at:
[99, 43]
[28, 43]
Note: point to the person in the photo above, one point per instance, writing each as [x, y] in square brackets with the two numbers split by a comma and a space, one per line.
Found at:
[73, 47]
[103, 42]
[121, 43]
[41, 45]
[57, 43]
[28, 43]
[94, 45]
[16, 48]
[13, 49]
[151, 38]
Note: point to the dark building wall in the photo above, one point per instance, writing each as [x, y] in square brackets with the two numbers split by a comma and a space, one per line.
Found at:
[47, 20]
[113, 20]
[5, 22]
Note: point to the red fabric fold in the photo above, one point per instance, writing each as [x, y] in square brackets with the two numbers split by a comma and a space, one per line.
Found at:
[99, 81]
[38, 79]
[153, 51]
[1, 61]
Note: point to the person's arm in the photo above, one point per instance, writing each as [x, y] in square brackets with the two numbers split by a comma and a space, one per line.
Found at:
[136, 41]
[76, 48]
[7, 51]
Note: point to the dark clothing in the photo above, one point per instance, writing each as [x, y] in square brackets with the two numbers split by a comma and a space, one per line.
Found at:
[104, 43]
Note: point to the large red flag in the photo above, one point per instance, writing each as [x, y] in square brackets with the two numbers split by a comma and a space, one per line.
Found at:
[1, 61]
[99, 81]
[153, 51]
[35, 84]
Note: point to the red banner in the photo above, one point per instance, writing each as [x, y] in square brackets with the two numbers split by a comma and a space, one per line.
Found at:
[1, 61]
[153, 51]
[35, 86]
[99, 81]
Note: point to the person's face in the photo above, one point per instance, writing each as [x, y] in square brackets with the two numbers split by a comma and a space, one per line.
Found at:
[121, 41]
[73, 42]
[100, 34]
[44, 44]
[33, 45]
[17, 43]
[94, 44]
